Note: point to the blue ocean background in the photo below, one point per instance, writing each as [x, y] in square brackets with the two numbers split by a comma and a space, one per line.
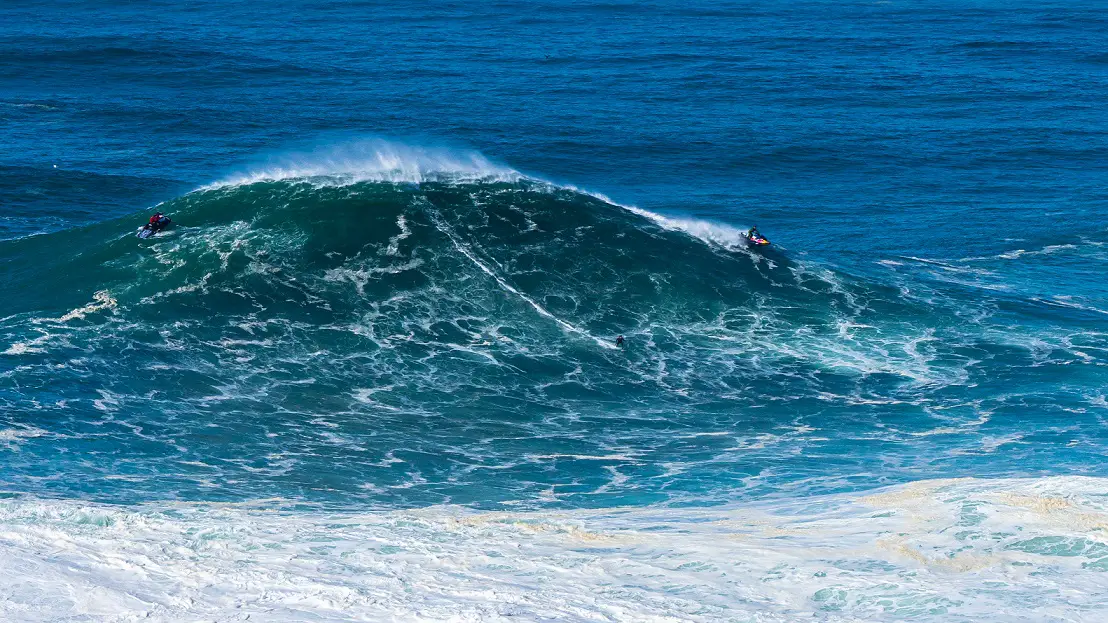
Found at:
[370, 374]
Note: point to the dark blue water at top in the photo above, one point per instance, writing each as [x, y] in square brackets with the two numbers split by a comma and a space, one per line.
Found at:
[947, 157]
[820, 118]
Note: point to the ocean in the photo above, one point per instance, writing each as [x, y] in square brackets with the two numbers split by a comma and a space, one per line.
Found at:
[371, 371]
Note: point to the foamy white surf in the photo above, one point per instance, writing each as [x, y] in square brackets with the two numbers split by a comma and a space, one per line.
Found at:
[718, 234]
[375, 161]
[945, 550]
[712, 234]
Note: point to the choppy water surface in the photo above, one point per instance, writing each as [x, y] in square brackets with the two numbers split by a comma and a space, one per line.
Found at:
[368, 378]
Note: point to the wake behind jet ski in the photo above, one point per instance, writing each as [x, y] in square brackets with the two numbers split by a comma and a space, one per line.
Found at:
[157, 223]
[755, 238]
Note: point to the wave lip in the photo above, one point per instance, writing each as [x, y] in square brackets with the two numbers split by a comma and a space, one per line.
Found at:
[375, 161]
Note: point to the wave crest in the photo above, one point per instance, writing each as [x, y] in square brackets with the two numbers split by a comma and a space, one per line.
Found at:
[375, 161]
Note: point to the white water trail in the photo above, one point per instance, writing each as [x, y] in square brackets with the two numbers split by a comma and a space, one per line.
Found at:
[461, 247]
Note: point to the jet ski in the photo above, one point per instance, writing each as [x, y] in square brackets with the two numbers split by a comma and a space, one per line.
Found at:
[154, 226]
[756, 239]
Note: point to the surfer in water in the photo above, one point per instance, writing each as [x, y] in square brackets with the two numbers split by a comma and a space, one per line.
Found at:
[619, 341]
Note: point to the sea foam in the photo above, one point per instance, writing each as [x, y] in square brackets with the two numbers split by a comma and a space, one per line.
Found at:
[375, 160]
[940, 550]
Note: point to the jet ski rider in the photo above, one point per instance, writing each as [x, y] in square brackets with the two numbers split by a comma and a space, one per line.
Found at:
[158, 221]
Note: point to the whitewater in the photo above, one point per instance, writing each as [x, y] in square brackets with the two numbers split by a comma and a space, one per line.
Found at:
[944, 550]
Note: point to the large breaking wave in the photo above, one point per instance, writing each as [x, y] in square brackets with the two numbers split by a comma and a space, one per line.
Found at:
[347, 350]
[418, 327]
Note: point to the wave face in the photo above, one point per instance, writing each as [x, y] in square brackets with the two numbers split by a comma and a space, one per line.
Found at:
[406, 336]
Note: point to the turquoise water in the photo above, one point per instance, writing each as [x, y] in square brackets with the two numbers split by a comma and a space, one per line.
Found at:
[384, 344]
[371, 371]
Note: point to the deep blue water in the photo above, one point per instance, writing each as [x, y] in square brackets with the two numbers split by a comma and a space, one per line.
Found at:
[407, 235]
